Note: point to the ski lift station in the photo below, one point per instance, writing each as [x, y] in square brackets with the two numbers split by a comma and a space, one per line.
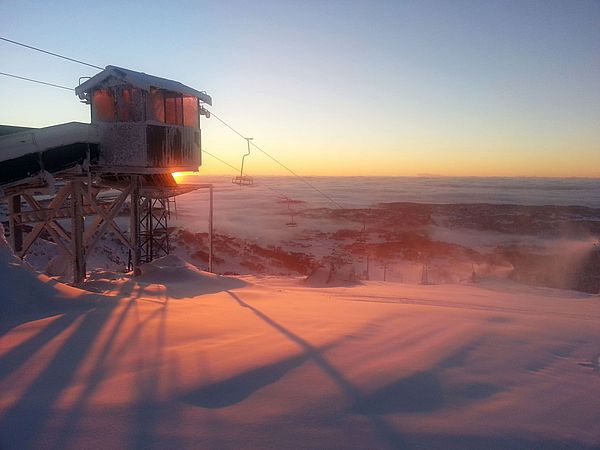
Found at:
[143, 128]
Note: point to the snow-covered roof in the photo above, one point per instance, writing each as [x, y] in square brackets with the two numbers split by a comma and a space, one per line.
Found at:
[140, 80]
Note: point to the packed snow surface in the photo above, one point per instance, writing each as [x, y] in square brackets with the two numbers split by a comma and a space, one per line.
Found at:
[179, 358]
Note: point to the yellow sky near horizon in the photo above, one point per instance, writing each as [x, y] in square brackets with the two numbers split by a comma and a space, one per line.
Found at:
[407, 160]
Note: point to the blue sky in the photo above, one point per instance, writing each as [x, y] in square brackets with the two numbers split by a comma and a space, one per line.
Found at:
[341, 87]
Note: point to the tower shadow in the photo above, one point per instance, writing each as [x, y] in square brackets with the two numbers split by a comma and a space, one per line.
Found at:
[384, 430]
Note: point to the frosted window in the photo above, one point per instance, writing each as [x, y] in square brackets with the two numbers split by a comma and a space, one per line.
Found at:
[173, 108]
[130, 106]
[157, 105]
[103, 105]
[190, 112]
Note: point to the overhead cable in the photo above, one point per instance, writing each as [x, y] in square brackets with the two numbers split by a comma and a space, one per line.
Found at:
[277, 191]
[303, 179]
[36, 81]
[51, 53]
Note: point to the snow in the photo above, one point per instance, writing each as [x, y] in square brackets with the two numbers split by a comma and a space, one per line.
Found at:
[32, 141]
[25, 291]
[179, 358]
[140, 80]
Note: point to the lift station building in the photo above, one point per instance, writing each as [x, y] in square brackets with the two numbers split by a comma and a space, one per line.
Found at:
[143, 128]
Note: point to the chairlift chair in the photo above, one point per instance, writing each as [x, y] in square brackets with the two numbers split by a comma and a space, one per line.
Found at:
[291, 223]
[241, 179]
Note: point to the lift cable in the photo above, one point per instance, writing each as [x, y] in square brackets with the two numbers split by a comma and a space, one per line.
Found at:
[51, 53]
[280, 193]
[36, 81]
[220, 160]
[277, 191]
[303, 179]
[312, 186]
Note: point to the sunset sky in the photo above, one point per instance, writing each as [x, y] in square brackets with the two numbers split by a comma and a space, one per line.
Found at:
[340, 87]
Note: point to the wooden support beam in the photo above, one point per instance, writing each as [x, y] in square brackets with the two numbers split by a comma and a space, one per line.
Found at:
[77, 226]
[31, 217]
[104, 220]
[14, 223]
[55, 204]
[134, 224]
[56, 227]
[56, 231]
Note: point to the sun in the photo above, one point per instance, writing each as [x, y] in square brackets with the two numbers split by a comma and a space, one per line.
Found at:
[178, 176]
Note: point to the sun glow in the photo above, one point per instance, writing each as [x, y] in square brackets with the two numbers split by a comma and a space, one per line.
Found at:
[178, 176]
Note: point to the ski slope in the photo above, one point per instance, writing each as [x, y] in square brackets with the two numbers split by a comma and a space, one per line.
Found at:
[184, 359]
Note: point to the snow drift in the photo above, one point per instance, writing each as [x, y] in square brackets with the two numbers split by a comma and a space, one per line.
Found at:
[25, 291]
[181, 279]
